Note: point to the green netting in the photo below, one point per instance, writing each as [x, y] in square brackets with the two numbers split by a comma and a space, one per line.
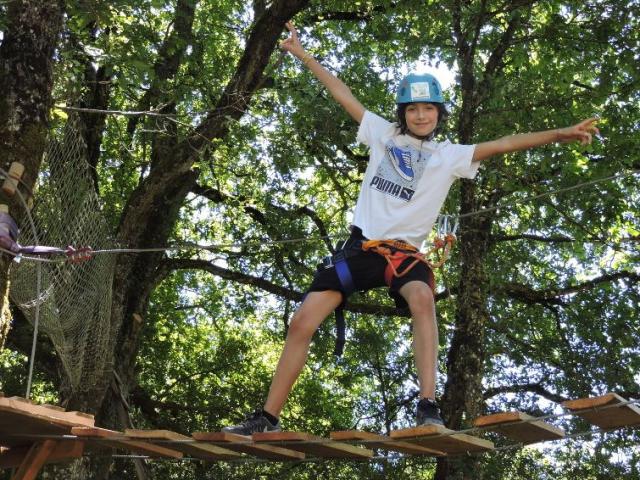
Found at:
[75, 298]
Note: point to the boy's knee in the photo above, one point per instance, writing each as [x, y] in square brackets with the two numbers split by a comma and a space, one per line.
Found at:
[421, 299]
[300, 326]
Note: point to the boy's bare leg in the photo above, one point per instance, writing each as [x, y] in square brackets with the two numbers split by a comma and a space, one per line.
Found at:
[315, 308]
[425, 334]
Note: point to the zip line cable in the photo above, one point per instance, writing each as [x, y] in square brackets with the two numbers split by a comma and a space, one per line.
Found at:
[184, 246]
[550, 193]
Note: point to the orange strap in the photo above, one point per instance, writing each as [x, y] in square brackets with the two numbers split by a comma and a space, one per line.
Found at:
[396, 251]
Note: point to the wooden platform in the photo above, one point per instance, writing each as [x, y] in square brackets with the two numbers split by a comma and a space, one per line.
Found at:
[240, 443]
[21, 420]
[33, 435]
[313, 445]
[603, 412]
[442, 439]
[29, 436]
[382, 442]
[520, 427]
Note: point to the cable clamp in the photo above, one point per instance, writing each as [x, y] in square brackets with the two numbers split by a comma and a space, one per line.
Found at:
[78, 255]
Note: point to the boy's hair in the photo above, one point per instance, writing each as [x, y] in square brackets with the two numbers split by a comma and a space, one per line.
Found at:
[443, 115]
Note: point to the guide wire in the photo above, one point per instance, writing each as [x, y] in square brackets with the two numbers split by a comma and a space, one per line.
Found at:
[445, 219]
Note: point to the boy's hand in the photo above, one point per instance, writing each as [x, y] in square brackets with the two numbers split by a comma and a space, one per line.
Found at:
[582, 132]
[292, 44]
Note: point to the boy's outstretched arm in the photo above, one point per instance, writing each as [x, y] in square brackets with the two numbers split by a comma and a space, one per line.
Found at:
[582, 132]
[336, 87]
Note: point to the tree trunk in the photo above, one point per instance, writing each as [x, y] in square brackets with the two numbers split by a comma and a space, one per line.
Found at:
[26, 82]
[462, 401]
[152, 210]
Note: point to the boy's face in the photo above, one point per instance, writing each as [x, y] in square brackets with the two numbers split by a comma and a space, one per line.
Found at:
[421, 118]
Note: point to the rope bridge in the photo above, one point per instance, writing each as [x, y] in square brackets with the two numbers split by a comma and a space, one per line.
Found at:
[33, 435]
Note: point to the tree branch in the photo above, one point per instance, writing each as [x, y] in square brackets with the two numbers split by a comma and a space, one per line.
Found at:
[536, 388]
[217, 196]
[170, 264]
[537, 238]
[553, 296]
[170, 56]
[248, 76]
[354, 15]
[496, 60]
[151, 408]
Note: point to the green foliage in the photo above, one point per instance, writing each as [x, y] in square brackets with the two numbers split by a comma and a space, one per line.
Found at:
[12, 367]
[561, 321]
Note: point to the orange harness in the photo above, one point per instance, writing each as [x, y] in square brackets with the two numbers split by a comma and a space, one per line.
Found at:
[396, 252]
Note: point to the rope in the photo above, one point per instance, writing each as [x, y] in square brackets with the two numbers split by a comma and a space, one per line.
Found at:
[36, 321]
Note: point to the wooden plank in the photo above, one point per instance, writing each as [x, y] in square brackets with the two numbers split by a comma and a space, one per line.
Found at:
[307, 443]
[54, 407]
[184, 444]
[114, 439]
[21, 420]
[34, 460]
[374, 440]
[520, 427]
[48, 411]
[64, 451]
[607, 418]
[240, 443]
[442, 439]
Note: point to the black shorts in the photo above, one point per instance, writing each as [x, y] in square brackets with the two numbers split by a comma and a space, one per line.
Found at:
[367, 270]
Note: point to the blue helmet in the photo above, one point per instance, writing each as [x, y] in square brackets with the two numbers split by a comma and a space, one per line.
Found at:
[419, 88]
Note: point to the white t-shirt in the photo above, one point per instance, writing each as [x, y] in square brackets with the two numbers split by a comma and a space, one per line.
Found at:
[406, 181]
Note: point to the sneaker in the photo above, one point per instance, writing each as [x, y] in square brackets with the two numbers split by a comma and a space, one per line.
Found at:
[428, 413]
[401, 161]
[256, 422]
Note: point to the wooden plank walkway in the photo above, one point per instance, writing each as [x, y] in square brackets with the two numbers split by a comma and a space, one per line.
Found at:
[382, 442]
[113, 439]
[20, 420]
[591, 409]
[520, 427]
[313, 445]
[24, 428]
[240, 443]
[184, 444]
[442, 439]
[32, 435]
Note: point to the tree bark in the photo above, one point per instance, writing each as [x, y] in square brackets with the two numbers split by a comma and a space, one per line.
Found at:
[26, 82]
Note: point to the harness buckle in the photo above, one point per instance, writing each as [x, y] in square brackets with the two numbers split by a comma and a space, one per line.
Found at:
[344, 250]
[330, 261]
[326, 262]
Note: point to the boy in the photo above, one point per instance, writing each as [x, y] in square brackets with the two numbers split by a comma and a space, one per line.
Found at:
[405, 184]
